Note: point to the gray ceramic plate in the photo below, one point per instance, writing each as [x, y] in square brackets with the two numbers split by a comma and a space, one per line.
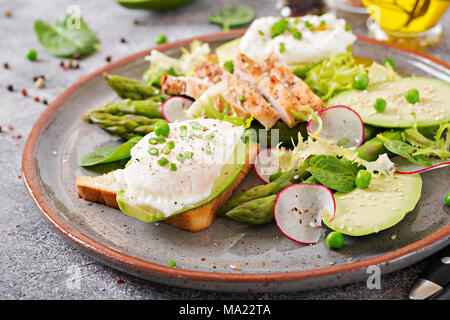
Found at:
[228, 256]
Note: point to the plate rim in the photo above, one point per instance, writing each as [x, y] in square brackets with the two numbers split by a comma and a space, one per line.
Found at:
[32, 184]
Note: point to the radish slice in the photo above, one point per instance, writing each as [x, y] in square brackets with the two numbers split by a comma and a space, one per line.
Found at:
[341, 125]
[298, 211]
[403, 166]
[174, 108]
[266, 163]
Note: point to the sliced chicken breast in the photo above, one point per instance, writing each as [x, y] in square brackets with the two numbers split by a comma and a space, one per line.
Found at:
[184, 86]
[281, 99]
[239, 93]
[294, 84]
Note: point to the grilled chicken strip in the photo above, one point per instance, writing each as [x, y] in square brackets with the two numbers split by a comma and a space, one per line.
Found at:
[239, 93]
[271, 88]
[184, 86]
[294, 84]
[194, 88]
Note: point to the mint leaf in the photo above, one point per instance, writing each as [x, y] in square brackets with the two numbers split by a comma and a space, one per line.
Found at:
[334, 173]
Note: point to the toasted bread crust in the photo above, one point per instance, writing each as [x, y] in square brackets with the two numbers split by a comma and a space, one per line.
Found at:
[103, 189]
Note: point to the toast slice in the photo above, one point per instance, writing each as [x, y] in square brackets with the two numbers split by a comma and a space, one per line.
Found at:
[103, 189]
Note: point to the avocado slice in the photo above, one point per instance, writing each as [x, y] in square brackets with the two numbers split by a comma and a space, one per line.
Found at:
[433, 96]
[383, 204]
[228, 174]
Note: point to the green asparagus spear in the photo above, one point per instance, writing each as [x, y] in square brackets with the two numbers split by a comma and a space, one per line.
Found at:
[372, 148]
[130, 88]
[257, 211]
[274, 187]
[370, 132]
[124, 126]
[150, 108]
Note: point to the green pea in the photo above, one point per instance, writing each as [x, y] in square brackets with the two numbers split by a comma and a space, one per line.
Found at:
[161, 128]
[160, 39]
[275, 175]
[229, 66]
[412, 96]
[447, 199]
[172, 263]
[379, 105]
[31, 55]
[335, 240]
[348, 27]
[163, 161]
[390, 61]
[361, 81]
[363, 178]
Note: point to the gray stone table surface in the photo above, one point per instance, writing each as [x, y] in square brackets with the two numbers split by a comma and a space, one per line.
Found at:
[35, 261]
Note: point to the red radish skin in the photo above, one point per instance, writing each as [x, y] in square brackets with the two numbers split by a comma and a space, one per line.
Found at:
[278, 200]
[184, 103]
[310, 123]
[436, 166]
[263, 177]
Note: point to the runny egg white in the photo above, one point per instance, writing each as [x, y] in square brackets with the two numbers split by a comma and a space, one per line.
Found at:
[325, 36]
[148, 184]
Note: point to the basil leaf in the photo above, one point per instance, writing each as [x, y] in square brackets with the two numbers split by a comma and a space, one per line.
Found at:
[66, 38]
[109, 154]
[232, 16]
[334, 173]
[406, 150]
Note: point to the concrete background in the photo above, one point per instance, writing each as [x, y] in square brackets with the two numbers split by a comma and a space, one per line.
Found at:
[37, 263]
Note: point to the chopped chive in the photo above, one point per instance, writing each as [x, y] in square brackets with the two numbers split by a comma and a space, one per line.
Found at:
[241, 98]
[171, 144]
[166, 149]
[153, 151]
[229, 66]
[210, 136]
[196, 125]
[173, 167]
[153, 141]
[309, 25]
[208, 149]
[160, 139]
[183, 131]
[348, 27]
[323, 23]
[198, 135]
[296, 20]
[181, 157]
[188, 154]
[282, 48]
[260, 33]
[163, 161]
[295, 33]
